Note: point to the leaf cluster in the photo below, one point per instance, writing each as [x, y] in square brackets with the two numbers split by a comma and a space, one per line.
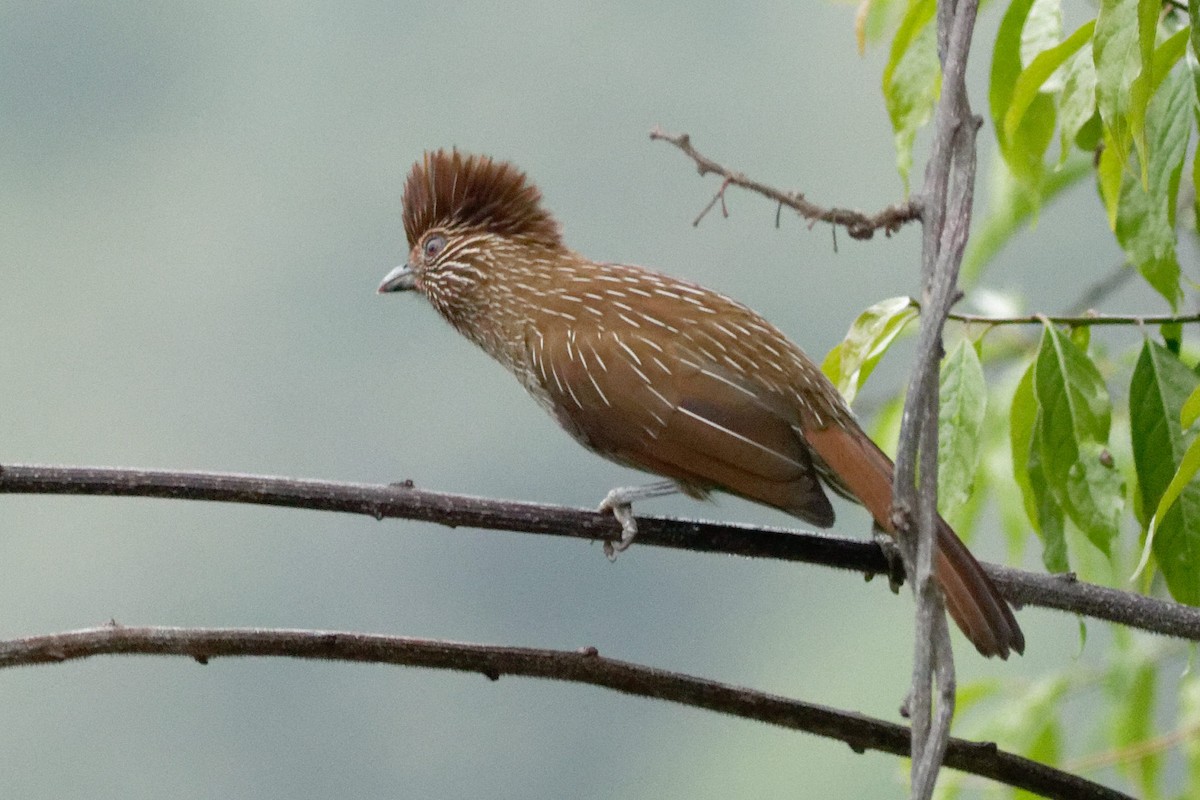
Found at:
[1090, 447]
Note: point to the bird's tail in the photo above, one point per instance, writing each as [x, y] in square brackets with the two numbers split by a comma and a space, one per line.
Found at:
[974, 602]
[972, 599]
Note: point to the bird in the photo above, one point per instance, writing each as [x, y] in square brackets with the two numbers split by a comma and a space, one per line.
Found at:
[654, 372]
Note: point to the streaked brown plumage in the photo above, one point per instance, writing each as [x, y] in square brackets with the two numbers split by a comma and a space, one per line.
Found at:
[654, 372]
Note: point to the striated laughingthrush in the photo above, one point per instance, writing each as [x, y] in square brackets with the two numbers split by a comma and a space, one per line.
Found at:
[654, 372]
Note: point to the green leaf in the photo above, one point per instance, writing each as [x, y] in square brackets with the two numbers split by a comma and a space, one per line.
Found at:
[1077, 104]
[1160, 392]
[1146, 214]
[1194, 66]
[1191, 409]
[963, 407]
[912, 80]
[873, 20]
[1172, 334]
[1073, 438]
[1196, 175]
[1109, 173]
[1044, 511]
[885, 424]
[1175, 550]
[1118, 52]
[1022, 429]
[1024, 147]
[1167, 55]
[1194, 28]
[851, 362]
[997, 459]
[1042, 29]
[1031, 80]
[1006, 62]
[1142, 87]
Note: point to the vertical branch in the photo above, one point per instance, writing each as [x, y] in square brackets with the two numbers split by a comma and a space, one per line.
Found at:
[945, 201]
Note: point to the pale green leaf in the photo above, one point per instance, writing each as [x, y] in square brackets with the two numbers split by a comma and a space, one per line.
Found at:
[912, 79]
[1109, 174]
[963, 407]
[1142, 87]
[1190, 409]
[874, 19]
[1024, 149]
[850, 363]
[1006, 63]
[1194, 66]
[1077, 104]
[1031, 82]
[1118, 58]
[1042, 29]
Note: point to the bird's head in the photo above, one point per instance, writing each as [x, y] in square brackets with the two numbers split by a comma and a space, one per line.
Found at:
[470, 221]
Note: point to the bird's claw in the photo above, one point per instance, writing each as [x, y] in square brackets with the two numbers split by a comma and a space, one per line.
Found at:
[622, 510]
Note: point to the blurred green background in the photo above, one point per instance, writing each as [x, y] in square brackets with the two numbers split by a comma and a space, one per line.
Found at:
[198, 201]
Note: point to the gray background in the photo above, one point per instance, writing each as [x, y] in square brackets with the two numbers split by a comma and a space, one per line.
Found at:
[198, 201]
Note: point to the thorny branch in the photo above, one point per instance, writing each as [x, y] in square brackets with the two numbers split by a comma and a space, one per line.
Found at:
[856, 223]
[585, 666]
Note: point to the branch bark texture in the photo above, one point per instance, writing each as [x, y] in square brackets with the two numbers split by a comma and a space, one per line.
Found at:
[945, 203]
[585, 665]
[404, 501]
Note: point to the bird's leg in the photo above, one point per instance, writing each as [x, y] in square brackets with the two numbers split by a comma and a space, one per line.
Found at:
[620, 503]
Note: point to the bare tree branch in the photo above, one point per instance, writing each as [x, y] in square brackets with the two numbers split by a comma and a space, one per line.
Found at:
[945, 204]
[585, 665]
[856, 223]
[1061, 592]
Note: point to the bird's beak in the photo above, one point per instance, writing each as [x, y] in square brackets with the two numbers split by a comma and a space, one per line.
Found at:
[401, 279]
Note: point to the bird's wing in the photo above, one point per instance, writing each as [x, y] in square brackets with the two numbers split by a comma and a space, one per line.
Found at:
[666, 410]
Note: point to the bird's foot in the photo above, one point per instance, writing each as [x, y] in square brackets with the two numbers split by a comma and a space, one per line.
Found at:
[620, 503]
[895, 561]
[617, 501]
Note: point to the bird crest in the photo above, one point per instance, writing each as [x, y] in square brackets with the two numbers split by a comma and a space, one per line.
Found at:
[455, 190]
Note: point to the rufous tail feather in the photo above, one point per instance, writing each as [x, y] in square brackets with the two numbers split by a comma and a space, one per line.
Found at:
[974, 602]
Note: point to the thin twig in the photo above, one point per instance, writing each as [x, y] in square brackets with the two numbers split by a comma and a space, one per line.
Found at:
[585, 666]
[1061, 592]
[856, 223]
[1079, 321]
[1136, 751]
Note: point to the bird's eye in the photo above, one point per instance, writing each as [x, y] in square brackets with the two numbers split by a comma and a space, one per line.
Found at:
[434, 246]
